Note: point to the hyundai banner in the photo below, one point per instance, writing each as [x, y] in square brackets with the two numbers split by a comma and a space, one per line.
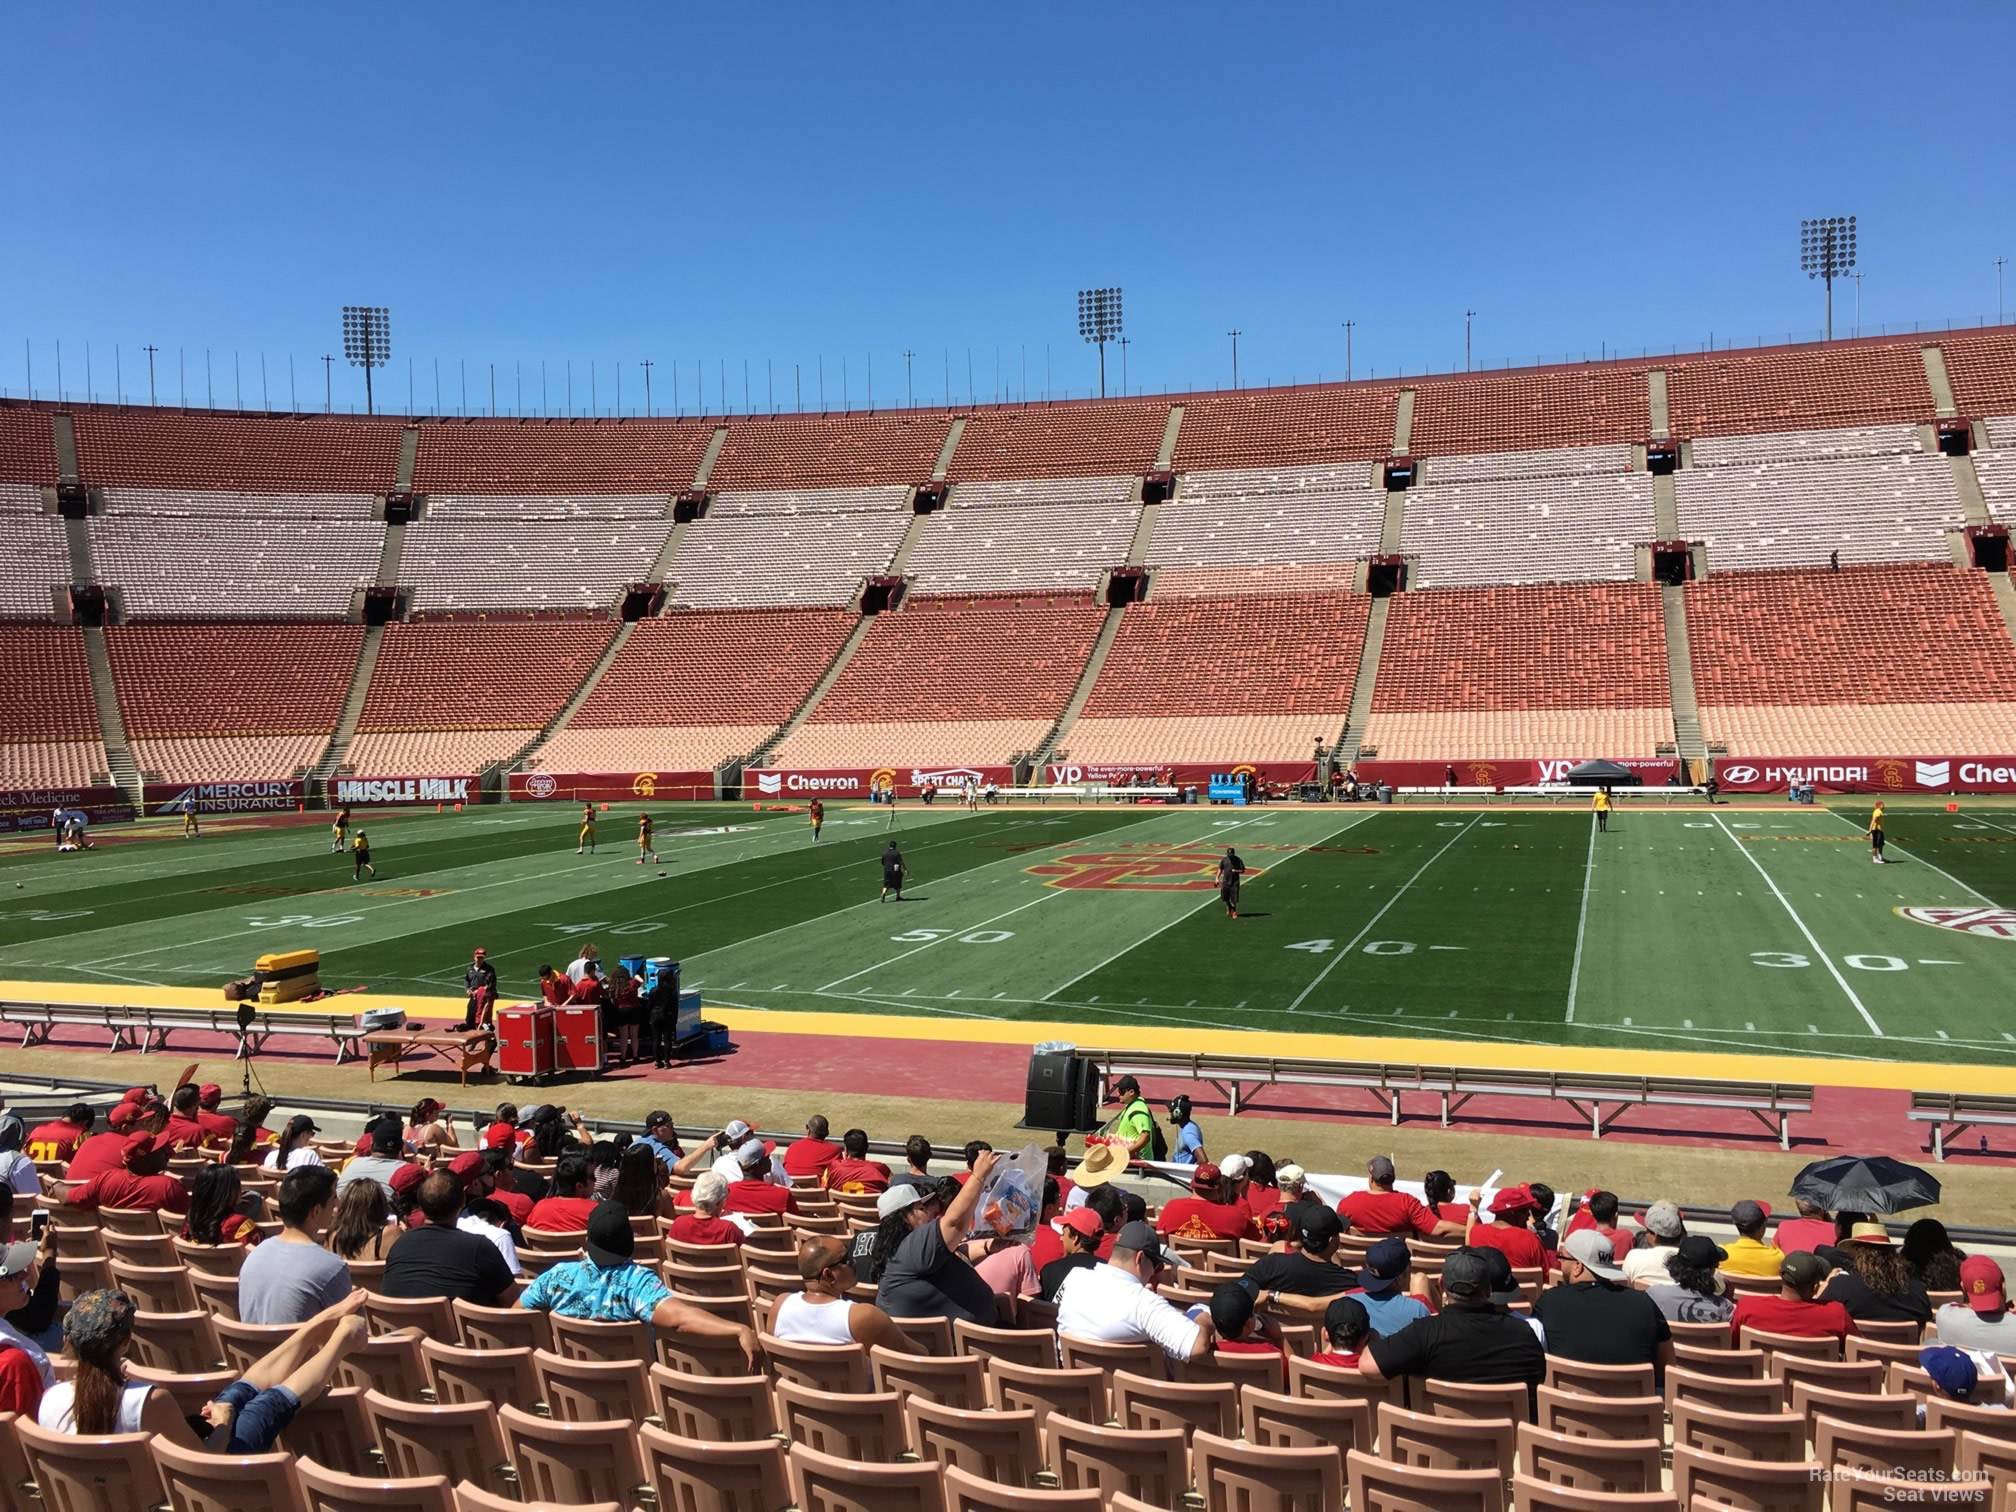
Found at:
[610, 787]
[802, 786]
[1868, 774]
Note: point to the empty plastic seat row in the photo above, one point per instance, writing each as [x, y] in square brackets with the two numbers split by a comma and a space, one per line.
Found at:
[1782, 514]
[1527, 530]
[1548, 462]
[480, 674]
[1053, 492]
[1287, 427]
[1084, 439]
[734, 667]
[220, 566]
[910, 743]
[228, 758]
[1285, 528]
[1487, 734]
[1808, 445]
[1791, 388]
[549, 506]
[1586, 405]
[559, 456]
[45, 684]
[791, 501]
[186, 502]
[460, 564]
[38, 565]
[1201, 738]
[1860, 729]
[431, 753]
[1238, 656]
[51, 763]
[660, 748]
[808, 559]
[232, 679]
[829, 451]
[1028, 546]
[149, 448]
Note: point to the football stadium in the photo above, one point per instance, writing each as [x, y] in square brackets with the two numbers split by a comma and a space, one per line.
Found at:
[1403, 935]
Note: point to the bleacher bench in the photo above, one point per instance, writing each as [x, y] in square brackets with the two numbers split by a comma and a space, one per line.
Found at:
[1771, 1103]
[1962, 1110]
[143, 1028]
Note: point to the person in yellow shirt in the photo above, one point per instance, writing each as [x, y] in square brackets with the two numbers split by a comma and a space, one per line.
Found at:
[1749, 1253]
[586, 840]
[1876, 834]
[1601, 803]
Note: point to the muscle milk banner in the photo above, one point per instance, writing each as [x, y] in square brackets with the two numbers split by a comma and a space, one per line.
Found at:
[222, 797]
[32, 808]
[1520, 772]
[1869, 774]
[858, 782]
[611, 787]
[374, 792]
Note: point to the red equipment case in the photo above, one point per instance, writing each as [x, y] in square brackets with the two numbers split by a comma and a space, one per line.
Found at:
[577, 1031]
[526, 1048]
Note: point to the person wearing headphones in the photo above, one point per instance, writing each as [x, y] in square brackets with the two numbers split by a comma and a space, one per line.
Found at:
[1188, 1145]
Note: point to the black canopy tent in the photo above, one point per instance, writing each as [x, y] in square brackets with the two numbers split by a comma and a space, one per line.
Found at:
[1601, 774]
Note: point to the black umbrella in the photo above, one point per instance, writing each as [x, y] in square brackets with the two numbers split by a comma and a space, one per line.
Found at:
[1865, 1184]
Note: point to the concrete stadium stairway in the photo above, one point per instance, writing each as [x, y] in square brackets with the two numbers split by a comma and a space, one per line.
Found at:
[1687, 738]
[573, 705]
[820, 689]
[1352, 740]
[125, 772]
[331, 760]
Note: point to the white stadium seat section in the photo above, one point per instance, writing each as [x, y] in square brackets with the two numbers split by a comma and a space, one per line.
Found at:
[528, 563]
[910, 743]
[1788, 446]
[655, 506]
[792, 501]
[53, 763]
[38, 559]
[682, 748]
[1528, 530]
[227, 758]
[1046, 491]
[1555, 462]
[1037, 546]
[2001, 431]
[20, 498]
[228, 567]
[1902, 729]
[179, 501]
[430, 753]
[1996, 468]
[1325, 513]
[814, 558]
[1487, 734]
[1220, 582]
[1199, 738]
[1792, 514]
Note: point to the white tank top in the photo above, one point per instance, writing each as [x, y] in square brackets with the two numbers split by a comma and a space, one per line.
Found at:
[57, 1412]
[798, 1321]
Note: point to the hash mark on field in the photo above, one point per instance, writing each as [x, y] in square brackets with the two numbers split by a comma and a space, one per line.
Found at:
[1093, 999]
[1748, 1027]
[1684, 1023]
[1812, 1028]
[1941, 1033]
[2009, 1037]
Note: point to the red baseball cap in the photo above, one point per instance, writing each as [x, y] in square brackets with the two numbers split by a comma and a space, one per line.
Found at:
[1206, 1175]
[144, 1144]
[408, 1177]
[1981, 1283]
[135, 1094]
[500, 1136]
[210, 1093]
[123, 1114]
[1083, 1221]
[1514, 1199]
[469, 1163]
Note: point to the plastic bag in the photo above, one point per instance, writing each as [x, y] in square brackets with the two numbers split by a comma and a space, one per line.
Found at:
[1013, 1197]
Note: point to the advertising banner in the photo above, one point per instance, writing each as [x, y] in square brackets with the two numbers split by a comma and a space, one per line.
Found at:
[374, 792]
[802, 785]
[164, 798]
[1181, 773]
[1511, 772]
[31, 808]
[611, 787]
[1868, 774]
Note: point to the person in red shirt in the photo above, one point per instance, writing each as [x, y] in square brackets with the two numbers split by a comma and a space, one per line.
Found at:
[1241, 1332]
[754, 1193]
[1381, 1210]
[811, 1155]
[553, 986]
[1209, 1212]
[220, 1126]
[107, 1151]
[1347, 1328]
[140, 1182]
[1262, 1189]
[975, 1148]
[1598, 1210]
[502, 1168]
[1513, 1211]
[568, 1206]
[1794, 1310]
[1813, 1228]
[854, 1172]
[1059, 1164]
[21, 1379]
[183, 1128]
[1046, 1244]
[705, 1225]
[59, 1139]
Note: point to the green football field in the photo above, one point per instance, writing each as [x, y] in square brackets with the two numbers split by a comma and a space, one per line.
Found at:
[1723, 929]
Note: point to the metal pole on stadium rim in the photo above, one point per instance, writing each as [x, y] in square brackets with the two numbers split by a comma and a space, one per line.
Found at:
[264, 402]
[798, 387]
[909, 388]
[822, 383]
[327, 382]
[493, 391]
[150, 349]
[1468, 315]
[1235, 334]
[645, 363]
[846, 399]
[1125, 342]
[750, 409]
[1347, 349]
[1998, 295]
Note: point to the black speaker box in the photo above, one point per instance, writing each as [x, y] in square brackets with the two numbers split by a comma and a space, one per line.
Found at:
[1062, 1094]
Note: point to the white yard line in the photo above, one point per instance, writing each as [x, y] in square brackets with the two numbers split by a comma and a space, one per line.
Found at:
[1371, 922]
[1934, 866]
[949, 934]
[1833, 970]
[1582, 922]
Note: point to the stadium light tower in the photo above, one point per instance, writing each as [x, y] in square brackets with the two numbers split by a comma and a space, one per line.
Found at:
[1827, 252]
[367, 341]
[1099, 323]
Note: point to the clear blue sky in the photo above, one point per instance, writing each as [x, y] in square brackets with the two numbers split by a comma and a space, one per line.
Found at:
[790, 181]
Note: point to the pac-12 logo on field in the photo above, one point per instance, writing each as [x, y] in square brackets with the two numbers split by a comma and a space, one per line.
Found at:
[645, 784]
[1995, 923]
[1138, 871]
[541, 785]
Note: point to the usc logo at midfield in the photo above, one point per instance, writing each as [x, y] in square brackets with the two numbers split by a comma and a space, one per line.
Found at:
[1139, 871]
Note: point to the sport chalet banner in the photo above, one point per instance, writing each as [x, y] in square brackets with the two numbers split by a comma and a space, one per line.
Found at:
[1181, 773]
[1868, 774]
[34, 808]
[1521, 772]
[611, 787]
[165, 798]
[380, 791]
[859, 782]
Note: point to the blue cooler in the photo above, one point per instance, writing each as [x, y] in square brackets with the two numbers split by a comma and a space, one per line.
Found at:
[632, 964]
[655, 967]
